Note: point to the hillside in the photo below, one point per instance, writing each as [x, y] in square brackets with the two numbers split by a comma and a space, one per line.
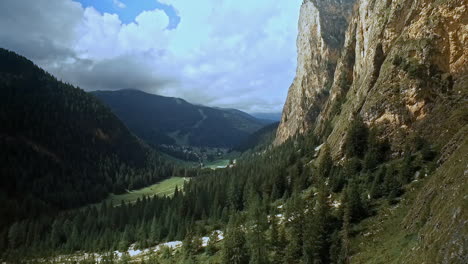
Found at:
[271, 117]
[396, 69]
[166, 120]
[60, 147]
[260, 139]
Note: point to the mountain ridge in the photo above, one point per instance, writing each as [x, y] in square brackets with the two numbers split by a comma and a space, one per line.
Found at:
[169, 120]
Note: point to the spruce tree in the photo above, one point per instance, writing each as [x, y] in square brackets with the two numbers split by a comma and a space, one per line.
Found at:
[234, 244]
[257, 225]
[356, 138]
[154, 231]
[345, 242]
[325, 162]
[391, 185]
[295, 214]
[316, 229]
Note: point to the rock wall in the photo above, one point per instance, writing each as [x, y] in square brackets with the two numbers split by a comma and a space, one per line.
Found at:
[400, 64]
[322, 26]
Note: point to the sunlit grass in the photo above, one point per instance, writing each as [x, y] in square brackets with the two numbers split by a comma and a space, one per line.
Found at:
[163, 188]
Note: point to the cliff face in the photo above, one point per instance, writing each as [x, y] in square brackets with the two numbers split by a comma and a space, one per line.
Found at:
[322, 26]
[400, 64]
[404, 69]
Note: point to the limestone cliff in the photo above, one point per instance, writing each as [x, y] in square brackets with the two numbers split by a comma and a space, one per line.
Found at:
[401, 65]
[322, 26]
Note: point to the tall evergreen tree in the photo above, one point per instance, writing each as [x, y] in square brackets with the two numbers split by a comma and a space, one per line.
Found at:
[235, 250]
[295, 217]
[316, 230]
[257, 225]
[345, 241]
[356, 138]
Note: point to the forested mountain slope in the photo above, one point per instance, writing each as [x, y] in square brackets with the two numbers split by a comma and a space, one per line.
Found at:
[260, 139]
[60, 147]
[166, 120]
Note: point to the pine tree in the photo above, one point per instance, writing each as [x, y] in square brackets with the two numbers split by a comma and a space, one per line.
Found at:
[355, 205]
[345, 243]
[377, 185]
[325, 162]
[124, 241]
[406, 173]
[356, 138]
[56, 235]
[391, 186]
[274, 234]
[15, 235]
[154, 231]
[234, 246]
[74, 239]
[295, 213]
[191, 244]
[257, 225]
[376, 150]
[316, 234]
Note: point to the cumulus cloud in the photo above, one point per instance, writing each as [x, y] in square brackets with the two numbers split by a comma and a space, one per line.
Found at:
[238, 54]
[119, 4]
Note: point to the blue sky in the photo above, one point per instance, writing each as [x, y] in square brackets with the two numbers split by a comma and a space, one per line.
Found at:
[227, 53]
[127, 10]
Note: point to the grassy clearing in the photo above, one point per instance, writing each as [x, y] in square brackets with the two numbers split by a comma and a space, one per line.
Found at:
[217, 164]
[165, 187]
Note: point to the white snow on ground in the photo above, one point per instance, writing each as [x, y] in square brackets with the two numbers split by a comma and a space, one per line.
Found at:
[220, 234]
[135, 252]
[171, 244]
[336, 204]
[318, 148]
[205, 241]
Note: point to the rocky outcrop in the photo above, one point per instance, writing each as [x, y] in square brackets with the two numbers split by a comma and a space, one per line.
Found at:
[322, 26]
[400, 64]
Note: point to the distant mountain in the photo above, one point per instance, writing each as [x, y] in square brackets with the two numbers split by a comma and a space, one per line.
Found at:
[61, 147]
[268, 117]
[260, 139]
[167, 120]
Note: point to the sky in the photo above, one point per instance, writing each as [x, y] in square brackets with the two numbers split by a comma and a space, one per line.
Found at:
[225, 53]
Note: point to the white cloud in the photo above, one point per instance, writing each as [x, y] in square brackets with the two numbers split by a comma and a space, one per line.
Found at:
[119, 4]
[227, 53]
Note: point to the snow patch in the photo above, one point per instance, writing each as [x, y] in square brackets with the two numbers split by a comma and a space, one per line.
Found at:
[205, 241]
[318, 148]
[171, 244]
[133, 253]
[336, 204]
